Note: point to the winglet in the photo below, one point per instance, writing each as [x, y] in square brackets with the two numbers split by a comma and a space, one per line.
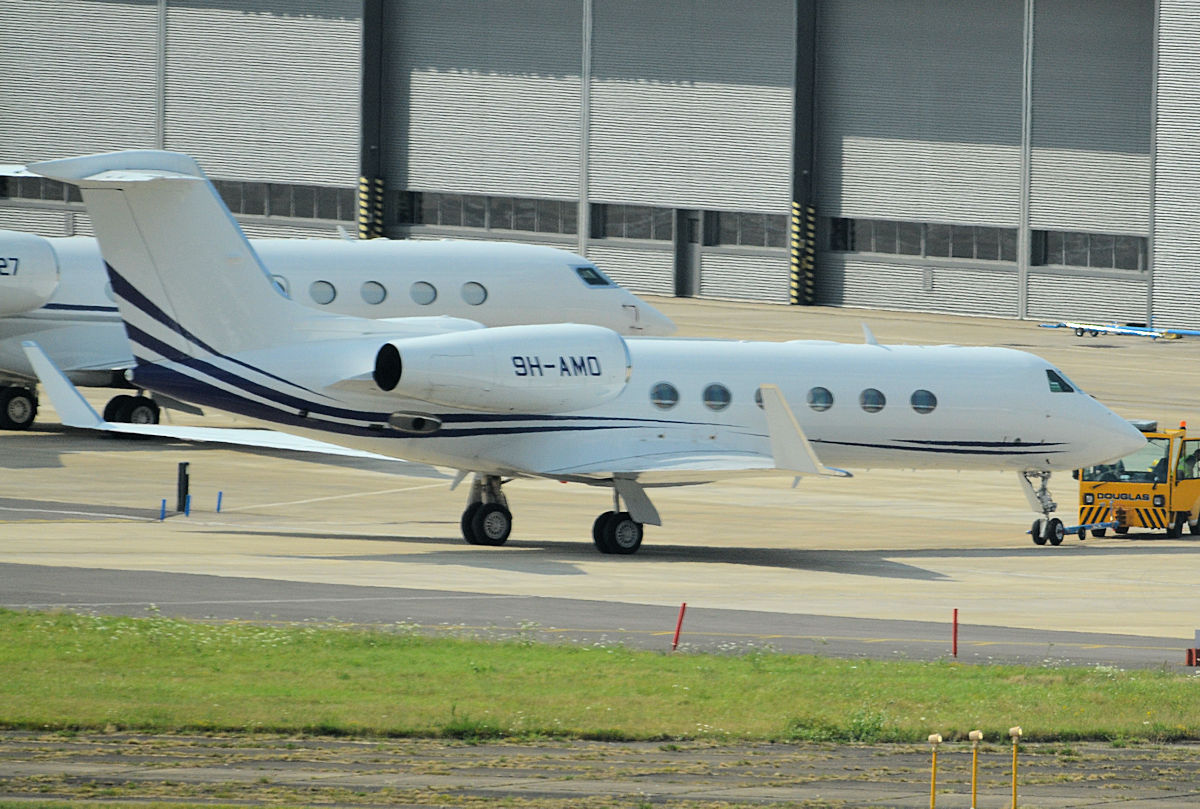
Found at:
[72, 408]
[789, 446]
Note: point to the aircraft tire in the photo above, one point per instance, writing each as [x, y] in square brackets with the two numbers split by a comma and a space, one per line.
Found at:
[468, 517]
[116, 407]
[1039, 538]
[1054, 531]
[140, 410]
[492, 524]
[623, 534]
[600, 531]
[18, 408]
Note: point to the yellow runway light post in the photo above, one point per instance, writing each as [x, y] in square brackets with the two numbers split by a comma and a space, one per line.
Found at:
[1015, 733]
[934, 740]
[975, 736]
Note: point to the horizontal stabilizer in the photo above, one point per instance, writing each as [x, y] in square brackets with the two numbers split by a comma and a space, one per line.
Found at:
[789, 446]
[75, 411]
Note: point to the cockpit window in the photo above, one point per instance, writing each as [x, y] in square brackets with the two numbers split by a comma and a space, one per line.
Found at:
[593, 277]
[1058, 382]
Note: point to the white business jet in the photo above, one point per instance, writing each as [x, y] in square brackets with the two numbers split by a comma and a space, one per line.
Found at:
[54, 291]
[568, 402]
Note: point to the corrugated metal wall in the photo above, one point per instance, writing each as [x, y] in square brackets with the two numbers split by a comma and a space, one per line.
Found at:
[266, 90]
[1053, 297]
[919, 110]
[483, 98]
[78, 76]
[754, 278]
[847, 280]
[646, 270]
[692, 104]
[1176, 245]
[1091, 115]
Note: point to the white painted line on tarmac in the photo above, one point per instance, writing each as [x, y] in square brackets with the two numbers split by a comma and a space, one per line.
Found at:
[79, 513]
[335, 497]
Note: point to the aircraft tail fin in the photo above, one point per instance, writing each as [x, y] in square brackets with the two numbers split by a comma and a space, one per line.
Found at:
[186, 279]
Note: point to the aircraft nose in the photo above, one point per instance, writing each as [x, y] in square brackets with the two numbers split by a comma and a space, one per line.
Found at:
[1114, 438]
[653, 323]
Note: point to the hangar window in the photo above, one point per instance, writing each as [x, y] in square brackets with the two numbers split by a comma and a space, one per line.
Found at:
[664, 395]
[374, 292]
[923, 401]
[717, 397]
[423, 292]
[632, 222]
[930, 239]
[820, 399]
[1102, 250]
[745, 229]
[872, 400]
[322, 292]
[485, 212]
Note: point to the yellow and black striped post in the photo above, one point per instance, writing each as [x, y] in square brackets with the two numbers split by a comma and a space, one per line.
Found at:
[370, 208]
[364, 208]
[803, 254]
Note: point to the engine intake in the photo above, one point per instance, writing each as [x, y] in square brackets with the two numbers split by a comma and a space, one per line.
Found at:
[515, 369]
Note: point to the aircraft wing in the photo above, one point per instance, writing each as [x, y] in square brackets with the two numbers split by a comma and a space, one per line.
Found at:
[1096, 329]
[75, 411]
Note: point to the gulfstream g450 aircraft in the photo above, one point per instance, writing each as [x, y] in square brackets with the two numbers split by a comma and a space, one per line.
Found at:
[568, 401]
[53, 291]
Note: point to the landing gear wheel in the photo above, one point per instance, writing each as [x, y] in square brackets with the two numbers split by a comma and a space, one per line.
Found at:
[468, 518]
[491, 524]
[140, 410]
[116, 406]
[18, 407]
[1039, 538]
[1054, 531]
[1099, 532]
[623, 534]
[1175, 529]
[600, 531]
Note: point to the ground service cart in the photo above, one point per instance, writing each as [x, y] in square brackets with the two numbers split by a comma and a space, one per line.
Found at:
[1157, 488]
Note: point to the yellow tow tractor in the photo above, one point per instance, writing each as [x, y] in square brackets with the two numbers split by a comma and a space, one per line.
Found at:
[1157, 487]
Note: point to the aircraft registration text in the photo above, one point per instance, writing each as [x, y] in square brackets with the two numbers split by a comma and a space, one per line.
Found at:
[565, 366]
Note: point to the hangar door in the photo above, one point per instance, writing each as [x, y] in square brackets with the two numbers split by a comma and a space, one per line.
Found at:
[918, 170]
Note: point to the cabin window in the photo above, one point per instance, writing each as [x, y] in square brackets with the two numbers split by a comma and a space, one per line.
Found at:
[1058, 383]
[872, 400]
[717, 397]
[374, 292]
[923, 401]
[423, 292]
[820, 399]
[474, 293]
[322, 292]
[664, 395]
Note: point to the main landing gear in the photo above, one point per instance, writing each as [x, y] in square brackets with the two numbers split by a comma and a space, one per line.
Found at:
[131, 409]
[18, 407]
[488, 521]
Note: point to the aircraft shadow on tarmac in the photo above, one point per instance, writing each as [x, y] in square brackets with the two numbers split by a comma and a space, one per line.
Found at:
[560, 558]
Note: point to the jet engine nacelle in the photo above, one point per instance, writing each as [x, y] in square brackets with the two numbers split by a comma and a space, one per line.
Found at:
[513, 369]
[28, 272]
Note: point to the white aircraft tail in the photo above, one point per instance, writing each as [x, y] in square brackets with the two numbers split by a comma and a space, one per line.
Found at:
[158, 216]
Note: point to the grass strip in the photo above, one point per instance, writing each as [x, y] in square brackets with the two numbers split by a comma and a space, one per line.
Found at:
[63, 671]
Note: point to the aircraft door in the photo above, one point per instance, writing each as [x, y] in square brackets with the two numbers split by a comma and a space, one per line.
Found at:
[687, 253]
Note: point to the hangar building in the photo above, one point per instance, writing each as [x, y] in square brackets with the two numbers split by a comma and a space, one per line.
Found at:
[1016, 158]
